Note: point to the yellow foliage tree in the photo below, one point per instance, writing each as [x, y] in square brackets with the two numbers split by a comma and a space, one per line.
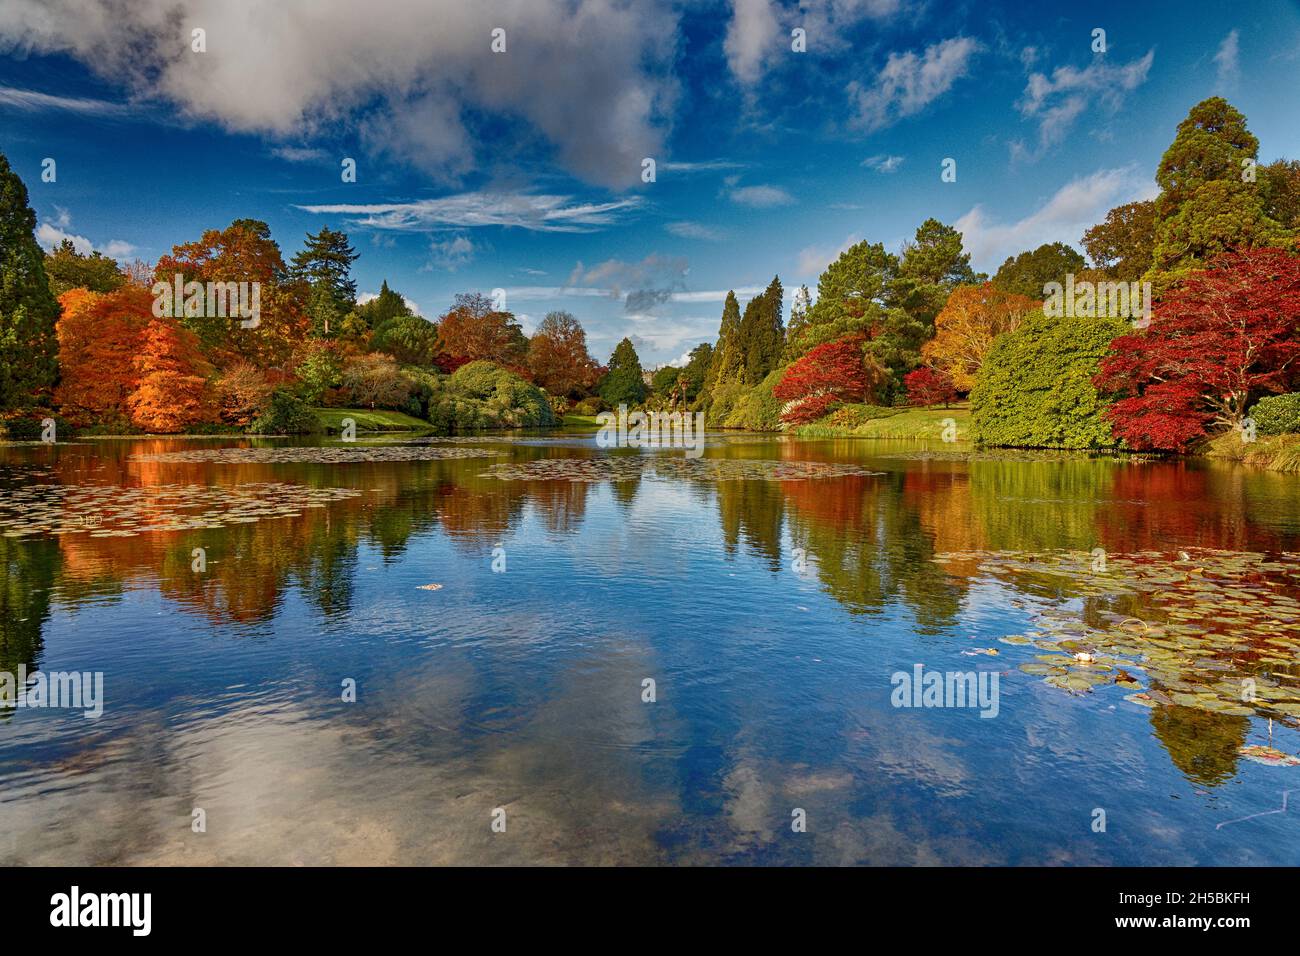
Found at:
[973, 317]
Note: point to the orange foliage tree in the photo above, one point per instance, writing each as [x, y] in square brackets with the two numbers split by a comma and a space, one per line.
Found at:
[965, 328]
[99, 339]
[242, 252]
[473, 330]
[173, 392]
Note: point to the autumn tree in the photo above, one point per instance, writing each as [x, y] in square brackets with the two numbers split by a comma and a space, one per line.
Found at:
[1225, 336]
[973, 317]
[243, 392]
[472, 330]
[172, 392]
[558, 357]
[100, 338]
[929, 386]
[28, 309]
[830, 374]
[375, 381]
[242, 252]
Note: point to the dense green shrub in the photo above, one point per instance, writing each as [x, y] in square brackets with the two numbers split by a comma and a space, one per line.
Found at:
[1035, 388]
[589, 406]
[484, 395]
[1277, 414]
[757, 409]
[286, 414]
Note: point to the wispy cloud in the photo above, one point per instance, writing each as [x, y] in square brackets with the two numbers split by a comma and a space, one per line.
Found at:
[32, 101]
[1074, 207]
[883, 164]
[451, 254]
[1228, 62]
[300, 154]
[1057, 102]
[761, 197]
[695, 230]
[909, 83]
[536, 212]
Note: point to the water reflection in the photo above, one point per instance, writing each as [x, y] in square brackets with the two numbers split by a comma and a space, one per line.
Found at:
[523, 690]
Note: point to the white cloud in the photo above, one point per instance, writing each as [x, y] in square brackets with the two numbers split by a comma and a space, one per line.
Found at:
[450, 254]
[50, 233]
[813, 260]
[531, 211]
[909, 83]
[406, 76]
[1057, 102]
[751, 38]
[883, 164]
[695, 230]
[1228, 62]
[1076, 206]
[761, 197]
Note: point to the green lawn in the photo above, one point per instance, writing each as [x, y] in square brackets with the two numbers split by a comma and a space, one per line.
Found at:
[581, 420]
[903, 423]
[379, 420]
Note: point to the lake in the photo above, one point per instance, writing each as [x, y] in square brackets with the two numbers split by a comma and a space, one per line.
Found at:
[632, 657]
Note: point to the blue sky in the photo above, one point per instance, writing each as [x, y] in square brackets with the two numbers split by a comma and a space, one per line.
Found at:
[522, 170]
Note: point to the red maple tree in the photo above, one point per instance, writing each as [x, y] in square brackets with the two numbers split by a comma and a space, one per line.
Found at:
[930, 386]
[1225, 336]
[829, 374]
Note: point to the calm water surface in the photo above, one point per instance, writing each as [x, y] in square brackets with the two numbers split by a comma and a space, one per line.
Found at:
[523, 689]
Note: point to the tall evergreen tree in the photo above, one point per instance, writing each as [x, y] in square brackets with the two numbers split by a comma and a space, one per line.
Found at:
[724, 363]
[762, 333]
[387, 305]
[1207, 204]
[624, 383]
[326, 260]
[28, 308]
[931, 266]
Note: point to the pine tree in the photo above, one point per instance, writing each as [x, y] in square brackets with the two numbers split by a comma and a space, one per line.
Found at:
[28, 308]
[326, 260]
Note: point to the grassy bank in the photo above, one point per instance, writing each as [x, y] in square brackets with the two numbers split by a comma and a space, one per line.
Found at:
[864, 421]
[379, 420]
[1275, 452]
[582, 421]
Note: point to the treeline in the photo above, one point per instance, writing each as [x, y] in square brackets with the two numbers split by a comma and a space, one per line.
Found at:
[79, 337]
[86, 341]
[1218, 247]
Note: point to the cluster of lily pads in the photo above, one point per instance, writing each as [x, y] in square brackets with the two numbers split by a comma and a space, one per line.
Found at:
[669, 467]
[1213, 630]
[111, 511]
[346, 454]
